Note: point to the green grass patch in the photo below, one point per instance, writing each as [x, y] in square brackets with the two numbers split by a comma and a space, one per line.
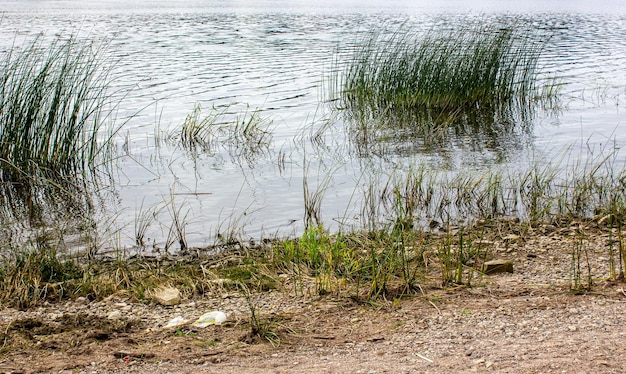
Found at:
[35, 273]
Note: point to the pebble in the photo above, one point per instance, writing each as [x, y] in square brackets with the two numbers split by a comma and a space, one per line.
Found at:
[115, 315]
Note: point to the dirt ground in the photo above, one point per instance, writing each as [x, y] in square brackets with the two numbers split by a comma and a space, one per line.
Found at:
[528, 321]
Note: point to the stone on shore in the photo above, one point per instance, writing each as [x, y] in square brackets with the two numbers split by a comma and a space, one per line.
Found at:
[497, 266]
[167, 296]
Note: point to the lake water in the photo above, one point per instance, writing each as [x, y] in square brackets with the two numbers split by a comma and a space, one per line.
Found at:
[274, 57]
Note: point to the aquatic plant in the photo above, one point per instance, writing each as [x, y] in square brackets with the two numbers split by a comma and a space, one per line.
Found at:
[56, 130]
[412, 90]
[200, 133]
[548, 190]
[52, 100]
[470, 65]
[246, 136]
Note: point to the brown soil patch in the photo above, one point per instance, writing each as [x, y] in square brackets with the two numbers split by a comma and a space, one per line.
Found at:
[525, 322]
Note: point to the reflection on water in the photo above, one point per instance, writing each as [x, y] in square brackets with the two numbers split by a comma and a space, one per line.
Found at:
[275, 56]
[62, 211]
[500, 132]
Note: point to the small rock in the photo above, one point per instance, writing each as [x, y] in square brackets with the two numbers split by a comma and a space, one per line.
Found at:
[115, 315]
[497, 266]
[167, 296]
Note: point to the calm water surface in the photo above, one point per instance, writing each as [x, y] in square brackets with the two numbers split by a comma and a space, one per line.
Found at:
[274, 56]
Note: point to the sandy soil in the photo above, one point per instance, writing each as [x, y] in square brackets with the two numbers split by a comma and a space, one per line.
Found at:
[529, 321]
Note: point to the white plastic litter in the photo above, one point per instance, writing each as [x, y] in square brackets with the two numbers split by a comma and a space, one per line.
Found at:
[174, 322]
[211, 318]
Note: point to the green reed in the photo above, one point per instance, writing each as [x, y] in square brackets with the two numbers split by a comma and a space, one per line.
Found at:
[200, 133]
[470, 66]
[245, 136]
[52, 101]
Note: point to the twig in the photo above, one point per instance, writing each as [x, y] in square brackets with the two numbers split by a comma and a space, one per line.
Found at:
[122, 354]
[6, 334]
[424, 358]
[435, 306]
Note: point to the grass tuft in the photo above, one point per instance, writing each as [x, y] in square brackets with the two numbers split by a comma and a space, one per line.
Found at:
[246, 136]
[33, 274]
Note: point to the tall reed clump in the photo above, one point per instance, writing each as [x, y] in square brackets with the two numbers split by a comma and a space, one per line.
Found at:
[52, 100]
[474, 65]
